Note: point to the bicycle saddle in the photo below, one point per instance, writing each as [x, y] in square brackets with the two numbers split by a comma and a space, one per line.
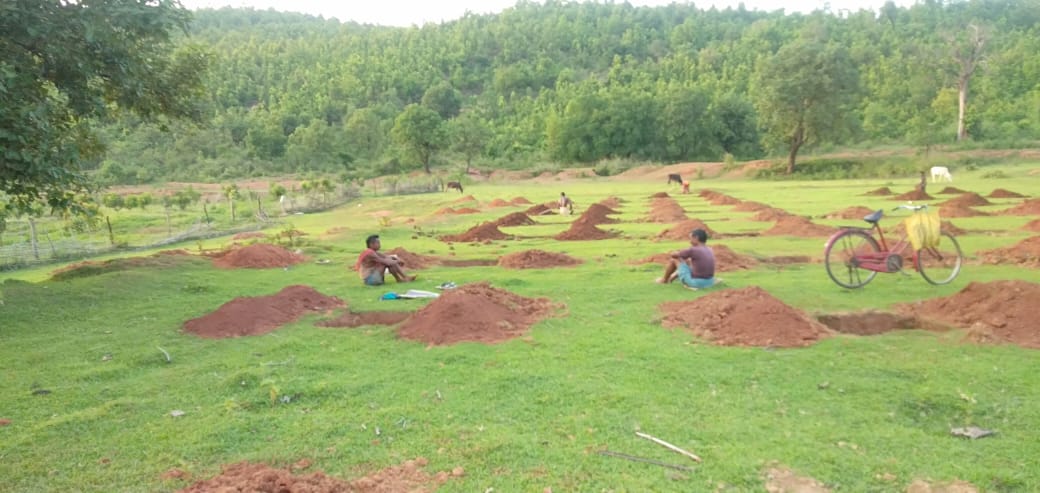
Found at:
[874, 217]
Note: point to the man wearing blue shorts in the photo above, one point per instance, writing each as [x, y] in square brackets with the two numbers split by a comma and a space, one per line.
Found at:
[693, 266]
[372, 265]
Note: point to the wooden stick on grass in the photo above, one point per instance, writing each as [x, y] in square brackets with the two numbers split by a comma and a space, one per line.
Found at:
[668, 446]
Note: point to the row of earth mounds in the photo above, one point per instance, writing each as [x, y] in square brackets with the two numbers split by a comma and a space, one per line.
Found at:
[726, 260]
[258, 477]
[717, 198]
[743, 317]
[1025, 253]
[536, 259]
[992, 312]
[665, 210]
[584, 227]
[245, 316]
[87, 268]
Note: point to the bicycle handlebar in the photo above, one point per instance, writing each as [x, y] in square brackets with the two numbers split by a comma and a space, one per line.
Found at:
[911, 207]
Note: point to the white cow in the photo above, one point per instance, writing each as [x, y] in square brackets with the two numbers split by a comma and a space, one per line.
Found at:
[941, 172]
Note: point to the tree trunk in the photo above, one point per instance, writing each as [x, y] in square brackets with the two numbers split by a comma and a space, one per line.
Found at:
[796, 143]
[962, 106]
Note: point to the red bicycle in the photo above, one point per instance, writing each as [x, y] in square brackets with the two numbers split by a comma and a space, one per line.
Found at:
[853, 256]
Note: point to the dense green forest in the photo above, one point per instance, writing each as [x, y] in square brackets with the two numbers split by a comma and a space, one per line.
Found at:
[569, 83]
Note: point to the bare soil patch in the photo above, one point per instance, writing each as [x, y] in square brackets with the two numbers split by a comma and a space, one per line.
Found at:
[481, 232]
[475, 313]
[1033, 225]
[539, 210]
[681, 231]
[770, 214]
[784, 480]
[584, 230]
[515, 219]
[598, 214]
[968, 199]
[247, 316]
[855, 212]
[798, 226]
[959, 211]
[913, 195]
[1025, 253]
[1030, 207]
[499, 203]
[660, 195]
[160, 260]
[743, 317]
[868, 323]
[958, 486]
[257, 256]
[245, 476]
[358, 319]
[952, 191]
[997, 311]
[1001, 193]
[519, 201]
[536, 259]
[880, 191]
[716, 198]
[466, 210]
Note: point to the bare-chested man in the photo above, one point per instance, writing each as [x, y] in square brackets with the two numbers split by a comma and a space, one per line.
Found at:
[372, 265]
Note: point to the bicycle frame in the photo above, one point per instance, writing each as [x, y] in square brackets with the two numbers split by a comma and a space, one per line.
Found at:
[879, 261]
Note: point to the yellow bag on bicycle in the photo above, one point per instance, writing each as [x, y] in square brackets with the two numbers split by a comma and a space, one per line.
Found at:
[922, 228]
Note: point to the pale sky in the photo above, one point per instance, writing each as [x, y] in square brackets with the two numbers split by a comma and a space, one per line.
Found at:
[419, 12]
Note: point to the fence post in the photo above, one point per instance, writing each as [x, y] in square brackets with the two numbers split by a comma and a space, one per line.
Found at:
[32, 239]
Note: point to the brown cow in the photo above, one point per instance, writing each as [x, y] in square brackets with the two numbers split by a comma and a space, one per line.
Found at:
[453, 185]
[674, 177]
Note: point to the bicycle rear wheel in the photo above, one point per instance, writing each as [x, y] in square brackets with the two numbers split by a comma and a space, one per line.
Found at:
[940, 264]
[840, 258]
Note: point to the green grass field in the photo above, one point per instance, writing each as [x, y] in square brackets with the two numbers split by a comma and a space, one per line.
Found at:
[856, 413]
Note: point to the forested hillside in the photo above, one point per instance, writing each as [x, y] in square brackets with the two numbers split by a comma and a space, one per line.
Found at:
[581, 82]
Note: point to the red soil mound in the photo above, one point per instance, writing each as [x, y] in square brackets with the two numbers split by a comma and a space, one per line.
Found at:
[969, 199]
[743, 317]
[666, 210]
[466, 210]
[1033, 225]
[499, 203]
[413, 260]
[536, 259]
[1001, 193]
[913, 195]
[951, 228]
[1025, 253]
[855, 212]
[584, 230]
[257, 256]
[262, 314]
[443, 210]
[468, 198]
[751, 206]
[952, 190]
[798, 226]
[681, 231]
[515, 219]
[959, 211]
[998, 311]
[476, 313]
[163, 259]
[247, 235]
[352, 319]
[598, 214]
[880, 191]
[538, 210]
[660, 195]
[481, 232]
[726, 260]
[519, 201]
[770, 214]
[612, 202]
[244, 476]
[1027, 208]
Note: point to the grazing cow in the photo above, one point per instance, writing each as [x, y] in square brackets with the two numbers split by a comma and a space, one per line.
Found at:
[454, 185]
[674, 177]
[941, 173]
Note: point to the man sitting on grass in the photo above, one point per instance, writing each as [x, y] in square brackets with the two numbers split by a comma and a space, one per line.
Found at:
[693, 266]
[372, 266]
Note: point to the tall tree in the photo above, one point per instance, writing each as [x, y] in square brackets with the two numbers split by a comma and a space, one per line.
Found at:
[62, 63]
[420, 133]
[804, 94]
[968, 52]
[469, 135]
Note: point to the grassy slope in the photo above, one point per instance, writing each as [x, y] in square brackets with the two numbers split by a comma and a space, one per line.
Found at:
[526, 414]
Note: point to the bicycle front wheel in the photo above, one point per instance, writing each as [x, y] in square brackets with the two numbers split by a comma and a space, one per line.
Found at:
[940, 264]
[840, 258]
